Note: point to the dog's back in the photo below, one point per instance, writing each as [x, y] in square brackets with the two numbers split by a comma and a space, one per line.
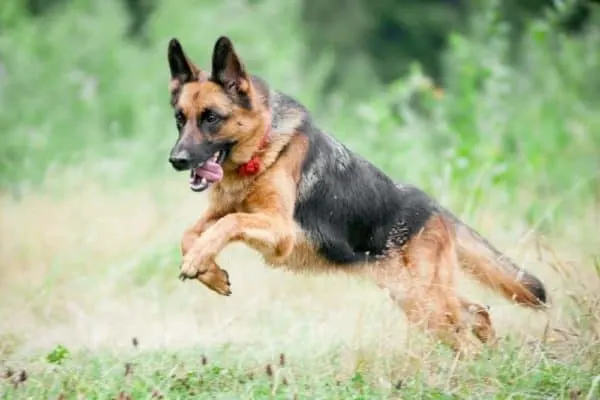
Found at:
[353, 212]
[350, 210]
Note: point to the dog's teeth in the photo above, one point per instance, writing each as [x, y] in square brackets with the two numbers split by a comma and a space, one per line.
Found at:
[203, 182]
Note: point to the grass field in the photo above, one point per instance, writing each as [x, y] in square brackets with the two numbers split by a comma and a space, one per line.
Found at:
[102, 270]
[91, 216]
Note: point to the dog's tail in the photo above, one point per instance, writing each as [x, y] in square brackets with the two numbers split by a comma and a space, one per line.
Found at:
[495, 270]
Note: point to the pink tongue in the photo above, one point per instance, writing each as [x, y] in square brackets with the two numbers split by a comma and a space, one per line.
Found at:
[211, 171]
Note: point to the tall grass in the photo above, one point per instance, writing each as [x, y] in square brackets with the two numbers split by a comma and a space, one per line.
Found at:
[91, 212]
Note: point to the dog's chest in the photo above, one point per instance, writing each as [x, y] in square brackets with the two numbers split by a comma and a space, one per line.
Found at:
[231, 196]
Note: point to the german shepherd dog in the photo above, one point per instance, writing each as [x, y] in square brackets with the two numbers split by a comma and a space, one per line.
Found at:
[306, 202]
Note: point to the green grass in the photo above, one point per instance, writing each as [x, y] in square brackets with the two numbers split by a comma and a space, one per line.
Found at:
[102, 269]
[519, 372]
[91, 214]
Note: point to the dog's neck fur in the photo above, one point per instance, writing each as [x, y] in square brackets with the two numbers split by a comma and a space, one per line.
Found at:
[284, 120]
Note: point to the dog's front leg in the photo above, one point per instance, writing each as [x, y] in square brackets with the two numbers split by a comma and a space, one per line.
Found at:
[212, 276]
[270, 234]
[195, 231]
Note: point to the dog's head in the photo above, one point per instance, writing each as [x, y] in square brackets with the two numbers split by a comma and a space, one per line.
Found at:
[221, 117]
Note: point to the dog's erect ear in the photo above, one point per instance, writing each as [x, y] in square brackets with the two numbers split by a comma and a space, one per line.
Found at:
[182, 69]
[227, 68]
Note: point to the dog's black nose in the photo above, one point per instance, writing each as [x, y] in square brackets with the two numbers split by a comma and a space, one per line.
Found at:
[180, 160]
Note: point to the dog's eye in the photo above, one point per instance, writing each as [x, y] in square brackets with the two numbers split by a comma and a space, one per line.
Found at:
[180, 119]
[210, 117]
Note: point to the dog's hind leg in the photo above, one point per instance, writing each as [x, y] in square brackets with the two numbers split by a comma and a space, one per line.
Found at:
[479, 321]
[420, 279]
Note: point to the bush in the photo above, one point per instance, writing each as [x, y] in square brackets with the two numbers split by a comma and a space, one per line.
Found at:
[75, 91]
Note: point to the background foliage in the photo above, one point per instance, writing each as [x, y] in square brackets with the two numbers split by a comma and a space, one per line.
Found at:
[85, 80]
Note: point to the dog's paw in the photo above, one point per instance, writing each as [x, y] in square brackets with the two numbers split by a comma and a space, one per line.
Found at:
[216, 279]
[189, 267]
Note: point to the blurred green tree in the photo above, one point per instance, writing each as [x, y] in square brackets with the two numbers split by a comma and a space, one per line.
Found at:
[138, 12]
[390, 34]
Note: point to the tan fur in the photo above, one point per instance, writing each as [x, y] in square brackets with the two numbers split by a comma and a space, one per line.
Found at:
[420, 278]
[211, 274]
[481, 264]
[246, 127]
[258, 211]
[249, 210]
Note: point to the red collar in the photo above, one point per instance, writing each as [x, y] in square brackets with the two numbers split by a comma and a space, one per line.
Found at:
[254, 166]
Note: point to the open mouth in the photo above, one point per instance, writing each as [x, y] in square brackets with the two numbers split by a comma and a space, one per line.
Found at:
[207, 172]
